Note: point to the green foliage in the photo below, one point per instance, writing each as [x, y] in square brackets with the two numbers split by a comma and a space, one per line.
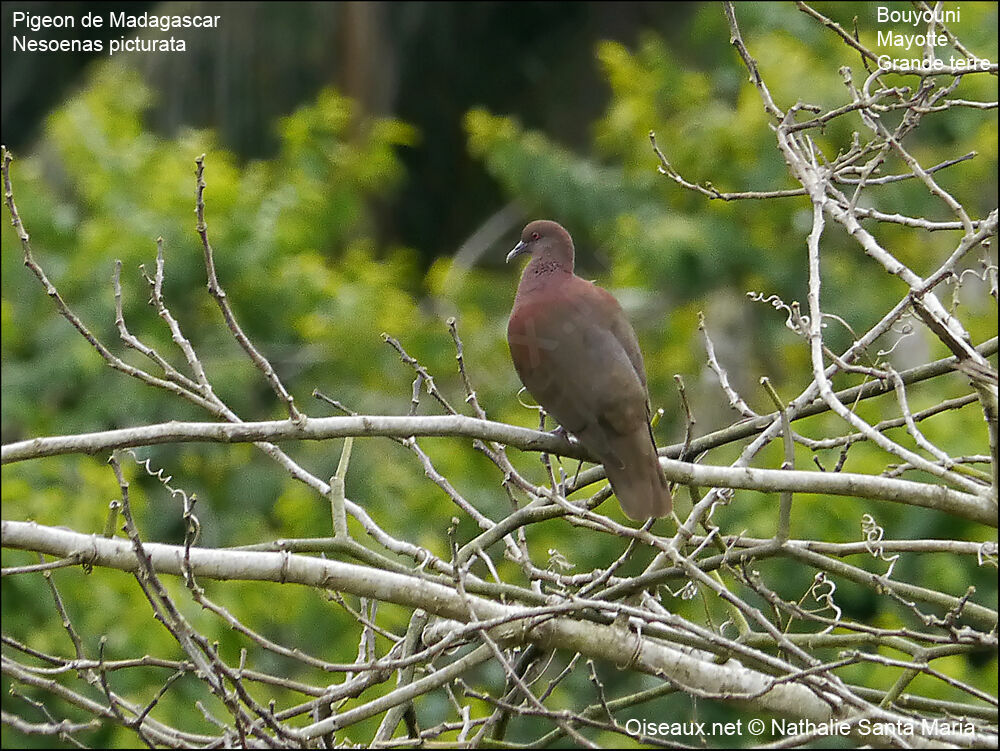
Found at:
[293, 249]
[296, 249]
[669, 252]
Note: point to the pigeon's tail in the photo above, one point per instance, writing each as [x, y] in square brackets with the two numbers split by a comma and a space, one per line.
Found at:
[639, 483]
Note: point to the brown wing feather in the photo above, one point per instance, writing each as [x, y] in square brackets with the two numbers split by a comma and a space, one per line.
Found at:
[579, 358]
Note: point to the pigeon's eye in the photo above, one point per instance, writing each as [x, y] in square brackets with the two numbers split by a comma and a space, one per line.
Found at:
[535, 235]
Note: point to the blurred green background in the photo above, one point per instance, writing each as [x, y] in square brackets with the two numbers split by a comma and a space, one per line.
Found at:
[368, 167]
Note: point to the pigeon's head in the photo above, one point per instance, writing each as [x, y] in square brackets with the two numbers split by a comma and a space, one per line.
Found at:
[545, 240]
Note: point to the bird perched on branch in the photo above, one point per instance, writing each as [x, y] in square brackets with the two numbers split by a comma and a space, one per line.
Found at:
[578, 356]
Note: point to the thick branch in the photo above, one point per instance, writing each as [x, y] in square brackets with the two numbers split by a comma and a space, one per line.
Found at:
[939, 497]
[614, 644]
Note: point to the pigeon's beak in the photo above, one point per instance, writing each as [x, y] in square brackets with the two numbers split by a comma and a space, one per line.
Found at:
[521, 247]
